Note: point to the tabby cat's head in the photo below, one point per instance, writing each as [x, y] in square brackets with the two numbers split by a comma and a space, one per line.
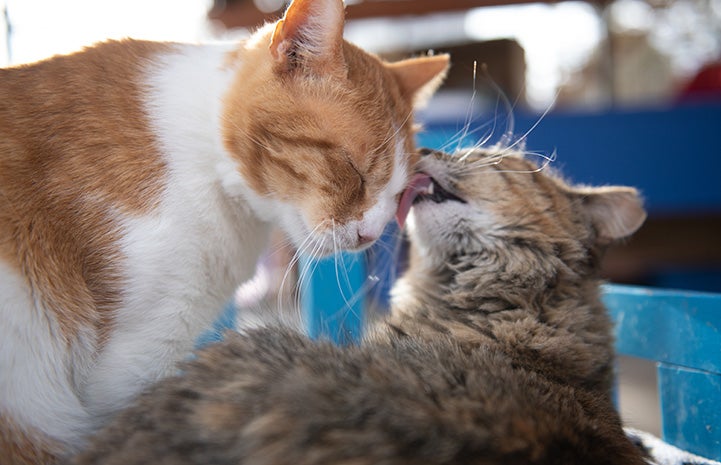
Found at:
[322, 132]
[496, 204]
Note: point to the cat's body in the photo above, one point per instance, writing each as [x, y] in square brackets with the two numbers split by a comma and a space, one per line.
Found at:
[498, 349]
[138, 184]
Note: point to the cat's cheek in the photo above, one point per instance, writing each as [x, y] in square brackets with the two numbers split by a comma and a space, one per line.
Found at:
[294, 225]
[375, 220]
[447, 228]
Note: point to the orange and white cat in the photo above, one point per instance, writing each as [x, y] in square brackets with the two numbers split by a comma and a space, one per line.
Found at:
[138, 184]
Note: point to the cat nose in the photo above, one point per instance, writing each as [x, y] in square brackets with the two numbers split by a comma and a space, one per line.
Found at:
[364, 239]
[424, 151]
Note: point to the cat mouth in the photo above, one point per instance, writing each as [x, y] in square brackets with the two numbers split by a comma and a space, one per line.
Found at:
[436, 193]
[422, 188]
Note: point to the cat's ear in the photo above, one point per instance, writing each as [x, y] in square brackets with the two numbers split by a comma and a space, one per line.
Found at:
[419, 78]
[616, 212]
[310, 35]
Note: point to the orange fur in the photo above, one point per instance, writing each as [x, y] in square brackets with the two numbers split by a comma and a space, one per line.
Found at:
[63, 165]
[18, 447]
[330, 119]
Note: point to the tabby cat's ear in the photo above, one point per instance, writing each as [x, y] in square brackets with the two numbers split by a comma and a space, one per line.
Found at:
[616, 212]
[310, 36]
[420, 77]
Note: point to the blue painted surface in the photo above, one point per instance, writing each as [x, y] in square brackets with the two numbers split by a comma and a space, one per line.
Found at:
[682, 331]
[677, 327]
[671, 154]
[332, 297]
[691, 409]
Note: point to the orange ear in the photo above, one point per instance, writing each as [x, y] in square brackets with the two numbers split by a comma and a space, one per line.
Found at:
[309, 35]
[420, 77]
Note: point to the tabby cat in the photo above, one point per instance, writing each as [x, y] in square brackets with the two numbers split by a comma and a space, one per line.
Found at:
[497, 351]
[138, 183]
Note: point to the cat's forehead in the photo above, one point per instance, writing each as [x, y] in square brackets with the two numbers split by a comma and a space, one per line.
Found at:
[366, 130]
[498, 157]
[483, 164]
[505, 181]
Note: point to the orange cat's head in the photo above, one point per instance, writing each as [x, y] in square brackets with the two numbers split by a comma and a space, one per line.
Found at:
[322, 132]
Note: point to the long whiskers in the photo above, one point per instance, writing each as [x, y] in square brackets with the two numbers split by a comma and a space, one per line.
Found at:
[337, 253]
[501, 95]
[469, 110]
[307, 270]
[508, 144]
[308, 244]
[523, 137]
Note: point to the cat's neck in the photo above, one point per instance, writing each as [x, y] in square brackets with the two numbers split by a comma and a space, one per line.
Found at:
[528, 310]
[487, 283]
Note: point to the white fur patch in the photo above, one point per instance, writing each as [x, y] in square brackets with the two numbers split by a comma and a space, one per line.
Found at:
[35, 367]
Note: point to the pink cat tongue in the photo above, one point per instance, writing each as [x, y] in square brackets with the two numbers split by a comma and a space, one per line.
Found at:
[419, 183]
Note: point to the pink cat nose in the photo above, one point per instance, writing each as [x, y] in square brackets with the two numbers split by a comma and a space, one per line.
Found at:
[364, 239]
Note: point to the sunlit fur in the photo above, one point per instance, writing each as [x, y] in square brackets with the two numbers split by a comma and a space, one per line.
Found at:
[138, 185]
[498, 350]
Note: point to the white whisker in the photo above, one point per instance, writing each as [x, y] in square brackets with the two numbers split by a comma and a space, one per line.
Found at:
[307, 243]
[469, 110]
[306, 271]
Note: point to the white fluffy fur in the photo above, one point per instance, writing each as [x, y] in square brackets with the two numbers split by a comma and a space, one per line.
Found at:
[30, 356]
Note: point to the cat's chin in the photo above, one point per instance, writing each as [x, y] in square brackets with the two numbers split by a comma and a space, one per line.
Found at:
[331, 246]
[442, 230]
[323, 250]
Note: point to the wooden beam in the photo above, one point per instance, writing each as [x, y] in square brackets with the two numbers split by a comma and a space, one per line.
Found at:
[243, 13]
[239, 14]
[396, 8]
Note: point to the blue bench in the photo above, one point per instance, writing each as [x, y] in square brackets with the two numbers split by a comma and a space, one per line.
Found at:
[681, 332]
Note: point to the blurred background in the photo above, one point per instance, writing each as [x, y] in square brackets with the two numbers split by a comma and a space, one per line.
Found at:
[622, 91]
[580, 54]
